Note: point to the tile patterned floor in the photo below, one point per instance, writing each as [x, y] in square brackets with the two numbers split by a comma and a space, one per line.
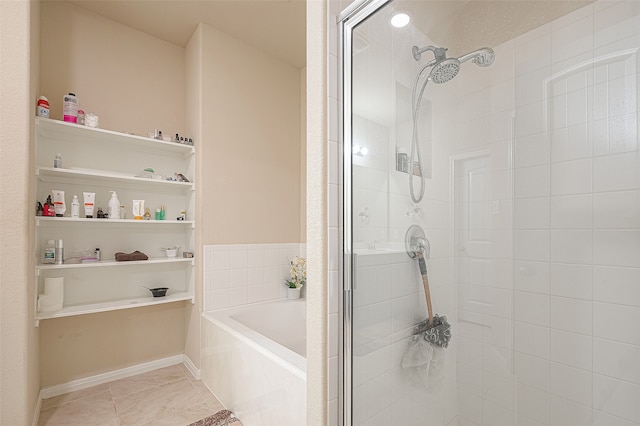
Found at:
[166, 397]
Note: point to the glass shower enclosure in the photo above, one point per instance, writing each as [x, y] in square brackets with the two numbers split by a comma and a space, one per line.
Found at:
[491, 162]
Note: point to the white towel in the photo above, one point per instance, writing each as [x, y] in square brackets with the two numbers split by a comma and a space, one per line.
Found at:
[53, 297]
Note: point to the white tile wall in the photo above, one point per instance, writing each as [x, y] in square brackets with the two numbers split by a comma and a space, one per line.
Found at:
[576, 268]
[241, 274]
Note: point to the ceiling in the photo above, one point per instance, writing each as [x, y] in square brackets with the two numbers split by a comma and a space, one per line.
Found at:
[465, 25]
[278, 27]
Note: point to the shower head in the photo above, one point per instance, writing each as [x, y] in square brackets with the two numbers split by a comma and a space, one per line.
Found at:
[444, 71]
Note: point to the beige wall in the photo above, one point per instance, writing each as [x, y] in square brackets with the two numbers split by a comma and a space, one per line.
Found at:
[245, 107]
[134, 82]
[76, 347]
[250, 150]
[18, 338]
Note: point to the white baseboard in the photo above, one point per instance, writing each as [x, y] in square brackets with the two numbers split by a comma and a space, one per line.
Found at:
[99, 379]
[195, 371]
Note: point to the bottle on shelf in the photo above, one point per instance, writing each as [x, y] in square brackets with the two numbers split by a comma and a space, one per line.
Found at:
[57, 161]
[48, 209]
[59, 249]
[75, 207]
[49, 255]
[114, 206]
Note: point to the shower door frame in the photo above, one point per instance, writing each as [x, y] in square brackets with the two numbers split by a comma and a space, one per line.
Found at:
[353, 15]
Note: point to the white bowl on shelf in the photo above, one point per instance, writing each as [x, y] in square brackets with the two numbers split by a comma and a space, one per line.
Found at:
[171, 252]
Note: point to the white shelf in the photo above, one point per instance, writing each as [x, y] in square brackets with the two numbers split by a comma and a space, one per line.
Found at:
[52, 220]
[61, 175]
[116, 305]
[112, 263]
[62, 130]
[95, 158]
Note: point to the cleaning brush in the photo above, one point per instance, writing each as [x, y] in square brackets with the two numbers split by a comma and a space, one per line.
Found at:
[434, 329]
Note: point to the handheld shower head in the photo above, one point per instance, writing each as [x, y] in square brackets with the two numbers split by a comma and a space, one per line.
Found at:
[481, 57]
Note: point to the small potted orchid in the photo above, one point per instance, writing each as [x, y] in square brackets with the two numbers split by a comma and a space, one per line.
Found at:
[298, 272]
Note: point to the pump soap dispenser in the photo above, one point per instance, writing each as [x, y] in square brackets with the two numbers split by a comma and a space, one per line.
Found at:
[114, 206]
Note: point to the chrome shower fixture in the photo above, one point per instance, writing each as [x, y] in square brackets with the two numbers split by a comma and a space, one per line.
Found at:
[415, 241]
[439, 52]
[443, 69]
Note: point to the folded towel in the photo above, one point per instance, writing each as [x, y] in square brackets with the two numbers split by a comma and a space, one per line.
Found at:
[136, 255]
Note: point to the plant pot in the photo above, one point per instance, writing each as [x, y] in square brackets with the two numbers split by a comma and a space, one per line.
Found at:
[293, 293]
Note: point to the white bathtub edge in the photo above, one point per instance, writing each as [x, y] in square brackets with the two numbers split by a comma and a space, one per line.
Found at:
[287, 359]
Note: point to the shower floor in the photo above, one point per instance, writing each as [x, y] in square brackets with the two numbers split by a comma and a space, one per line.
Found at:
[168, 396]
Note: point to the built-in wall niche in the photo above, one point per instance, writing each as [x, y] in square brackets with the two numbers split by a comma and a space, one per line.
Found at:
[403, 130]
[371, 155]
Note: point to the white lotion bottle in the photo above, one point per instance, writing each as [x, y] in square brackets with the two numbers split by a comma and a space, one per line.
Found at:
[114, 206]
[75, 207]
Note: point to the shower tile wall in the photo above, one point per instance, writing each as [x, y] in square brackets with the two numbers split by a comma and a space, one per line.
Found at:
[551, 338]
[241, 274]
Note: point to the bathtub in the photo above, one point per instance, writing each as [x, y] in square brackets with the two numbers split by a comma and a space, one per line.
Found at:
[253, 360]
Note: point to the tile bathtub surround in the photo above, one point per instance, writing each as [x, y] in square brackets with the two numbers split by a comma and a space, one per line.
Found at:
[241, 274]
[169, 396]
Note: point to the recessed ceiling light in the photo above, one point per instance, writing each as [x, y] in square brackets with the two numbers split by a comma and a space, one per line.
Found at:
[400, 20]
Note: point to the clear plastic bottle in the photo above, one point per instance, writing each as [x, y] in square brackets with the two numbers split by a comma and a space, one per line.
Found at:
[57, 161]
[114, 206]
[49, 254]
[75, 207]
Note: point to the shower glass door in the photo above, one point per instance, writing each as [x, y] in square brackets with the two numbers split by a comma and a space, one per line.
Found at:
[519, 120]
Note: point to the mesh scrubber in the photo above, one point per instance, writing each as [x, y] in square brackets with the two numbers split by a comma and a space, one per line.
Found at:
[437, 333]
